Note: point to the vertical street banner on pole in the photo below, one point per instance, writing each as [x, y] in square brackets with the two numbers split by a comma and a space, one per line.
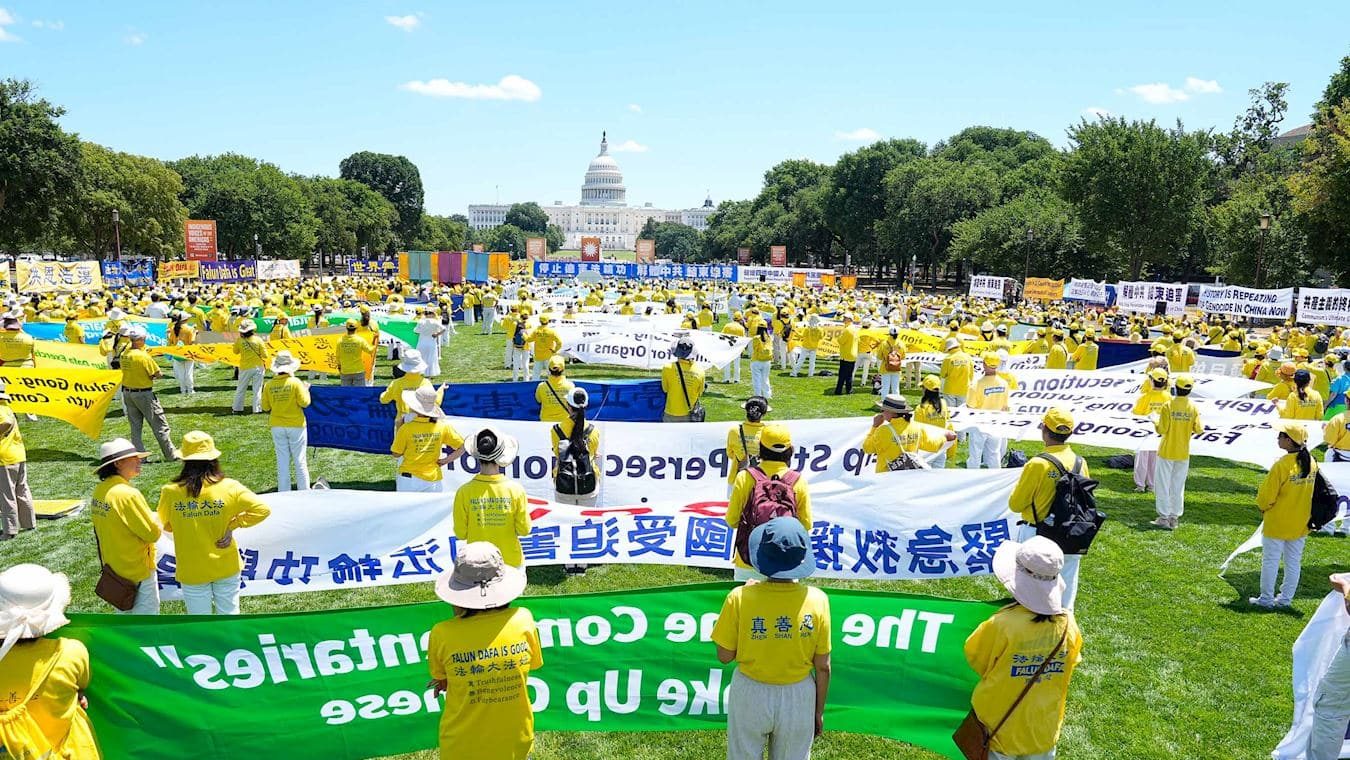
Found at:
[742, 256]
[777, 255]
[536, 249]
[644, 251]
[199, 239]
[590, 249]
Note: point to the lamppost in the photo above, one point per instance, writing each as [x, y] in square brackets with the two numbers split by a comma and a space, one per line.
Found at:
[117, 235]
[257, 247]
[1264, 225]
[1026, 264]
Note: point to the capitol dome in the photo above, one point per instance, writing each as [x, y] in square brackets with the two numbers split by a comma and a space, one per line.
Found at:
[603, 185]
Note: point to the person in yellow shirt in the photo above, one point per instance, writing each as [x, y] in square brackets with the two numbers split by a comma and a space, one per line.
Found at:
[890, 354]
[1032, 645]
[990, 393]
[73, 333]
[492, 507]
[139, 372]
[285, 397]
[470, 306]
[487, 711]
[792, 672]
[761, 362]
[1285, 501]
[1085, 356]
[683, 383]
[1284, 382]
[16, 500]
[252, 353]
[734, 327]
[488, 301]
[1058, 356]
[424, 444]
[810, 338]
[956, 372]
[894, 433]
[932, 410]
[551, 392]
[412, 367]
[202, 509]
[16, 346]
[1304, 403]
[743, 440]
[544, 343]
[1181, 357]
[848, 357]
[1176, 422]
[1034, 492]
[125, 528]
[705, 317]
[354, 354]
[1152, 397]
[180, 333]
[775, 454]
[42, 677]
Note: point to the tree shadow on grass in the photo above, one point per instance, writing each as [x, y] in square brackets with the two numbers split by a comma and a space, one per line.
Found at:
[218, 410]
[54, 455]
[367, 485]
[1312, 586]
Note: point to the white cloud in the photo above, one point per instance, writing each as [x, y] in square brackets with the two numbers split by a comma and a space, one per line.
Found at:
[630, 146]
[1202, 86]
[1096, 112]
[5, 20]
[635, 108]
[1159, 93]
[511, 87]
[135, 39]
[55, 26]
[406, 23]
[862, 134]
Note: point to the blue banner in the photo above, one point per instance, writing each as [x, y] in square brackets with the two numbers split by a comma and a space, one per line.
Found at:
[354, 419]
[136, 274]
[626, 271]
[157, 331]
[229, 271]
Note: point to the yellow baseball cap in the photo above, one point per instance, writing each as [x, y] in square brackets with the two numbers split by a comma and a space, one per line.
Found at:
[1058, 420]
[351, 324]
[1158, 373]
[992, 359]
[1296, 432]
[1185, 382]
[775, 438]
[543, 319]
[1288, 369]
[557, 362]
[931, 382]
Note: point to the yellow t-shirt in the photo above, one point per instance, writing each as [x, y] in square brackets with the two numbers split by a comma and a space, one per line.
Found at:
[252, 352]
[393, 393]
[990, 393]
[420, 442]
[776, 630]
[811, 337]
[352, 351]
[734, 328]
[888, 440]
[138, 369]
[73, 333]
[738, 453]
[552, 403]
[1285, 499]
[1151, 400]
[1057, 357]
[1336, 434]
[126, 528]
[16, 347]
[1178, 420]
[848, 344]
[12, 450]
[676, 405]
[1035, 489]
[492, 508]
[1282, 390]
[1180, 358]
[745, 483]
[286, 398]
[937, 416]
[1309, 408]
[761, 349]
[545, 342]
[956, 373]
[1006, 651]
[55, 708]
[485, 661]
[1085, 357]
[198, 522]
[592, 443]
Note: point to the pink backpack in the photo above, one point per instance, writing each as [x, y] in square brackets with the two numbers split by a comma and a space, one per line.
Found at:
[770, 497]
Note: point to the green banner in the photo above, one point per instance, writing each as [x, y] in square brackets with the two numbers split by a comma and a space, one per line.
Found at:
[266, 324]
[399, 328]
[335, 684]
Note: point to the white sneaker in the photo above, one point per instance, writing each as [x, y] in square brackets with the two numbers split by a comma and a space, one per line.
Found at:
[1282, 603]
[1257, 601]
[1161, 522]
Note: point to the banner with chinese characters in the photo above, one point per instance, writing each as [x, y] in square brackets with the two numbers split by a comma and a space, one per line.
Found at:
[346, 683]
[179, 270]
[1145, 297]
[278, 269]
[57, 276]
[1246, 302]
[373, 268]
[778, 255]
[941, 524]
[229, 271]
[1089, 291]
[1324, 306]
[77, 397]
[136, 274]
[982, 286]
[627, 271]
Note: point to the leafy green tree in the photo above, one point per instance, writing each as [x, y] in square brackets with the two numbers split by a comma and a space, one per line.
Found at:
[505, 238]
[1321, 191]
[856, 201]
[1249, 147]
[440, 233]
[1006, 148]
[39, 164]
[350, 215]
[1336, 93]
[528, 217]
[1137, 187]
[1035, 234]
[728, 230]
[790, 210]
[394, 177]
[555, 237]
[678, 242]
[143, 191]
[247, 197]
[648, 230]
[925, 198]
[1246, 255]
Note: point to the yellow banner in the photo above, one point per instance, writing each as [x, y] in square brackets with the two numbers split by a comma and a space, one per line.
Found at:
[79, 397]
[54, 276]
[174, 270]
[1042, 289]
[317, 353]
[915, 342]
[55, 353]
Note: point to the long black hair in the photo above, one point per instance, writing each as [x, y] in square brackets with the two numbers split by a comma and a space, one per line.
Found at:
[578, 436]
[196, 474]
[1302, 379]
[931, 398]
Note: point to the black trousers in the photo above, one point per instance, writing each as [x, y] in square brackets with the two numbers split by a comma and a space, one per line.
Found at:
[845, 382]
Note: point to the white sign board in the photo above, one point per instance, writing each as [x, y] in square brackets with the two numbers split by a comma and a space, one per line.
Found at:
[1246, 302]
[1144, 297]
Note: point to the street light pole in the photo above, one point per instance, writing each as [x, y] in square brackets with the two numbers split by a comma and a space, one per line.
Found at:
[1026, 264]
[257, 247]
[1264, 225]
[117, 235]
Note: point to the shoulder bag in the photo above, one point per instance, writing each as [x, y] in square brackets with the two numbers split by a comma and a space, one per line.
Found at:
[696, 411]
[111, 587]
[972, 738]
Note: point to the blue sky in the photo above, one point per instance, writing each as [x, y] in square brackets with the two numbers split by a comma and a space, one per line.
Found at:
[705, 96]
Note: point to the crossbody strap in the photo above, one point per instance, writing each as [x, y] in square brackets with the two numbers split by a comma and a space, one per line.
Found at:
[745, 446]
[1039, 672]
[549, 385]
[680, 370]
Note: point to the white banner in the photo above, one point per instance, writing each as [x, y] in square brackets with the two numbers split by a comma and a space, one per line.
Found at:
[753, 274]
[645, 348]
[1324, 306]
[1115, 383]
[1090, 291]
[1085, 405]
[278, 269]
[1144, 297]
[1314, 650]
[988, 287]
[1246, 302]
[932, 362]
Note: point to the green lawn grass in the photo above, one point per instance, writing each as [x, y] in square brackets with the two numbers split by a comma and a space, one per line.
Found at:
[1176, 665]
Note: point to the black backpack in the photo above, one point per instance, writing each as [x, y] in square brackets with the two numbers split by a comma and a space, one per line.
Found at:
[1325, 503]
[576, 471]
[1073, 519]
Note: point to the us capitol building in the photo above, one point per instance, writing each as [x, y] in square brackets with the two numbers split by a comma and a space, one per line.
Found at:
[603, 212]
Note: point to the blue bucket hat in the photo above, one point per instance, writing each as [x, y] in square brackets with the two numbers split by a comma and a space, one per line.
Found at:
[781, 549]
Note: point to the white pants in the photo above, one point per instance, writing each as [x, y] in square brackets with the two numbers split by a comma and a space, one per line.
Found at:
[185, 373]
[783, 717]
[780, 354]
[222, 594]
[759, 379]
[1169, 486]
[508, 353]
[431, 354]
[1038, 756]
[1273, 550]
[290, 443]
[489, 319]
[247, 376]
[939, 460]
[147, 598]
[865, 362]
[1145, 468]
[1069, 573]
[538, 369]
[732, 372]
[805, 353]
[1337, 455]
[520, 364]
[449, 330]
[890, 383]
[414, 484]
[468, 315]
[1331, 708]
[984, 450]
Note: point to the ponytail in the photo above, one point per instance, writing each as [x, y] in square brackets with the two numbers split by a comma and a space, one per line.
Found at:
[1304, 461]
[1302, 389]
